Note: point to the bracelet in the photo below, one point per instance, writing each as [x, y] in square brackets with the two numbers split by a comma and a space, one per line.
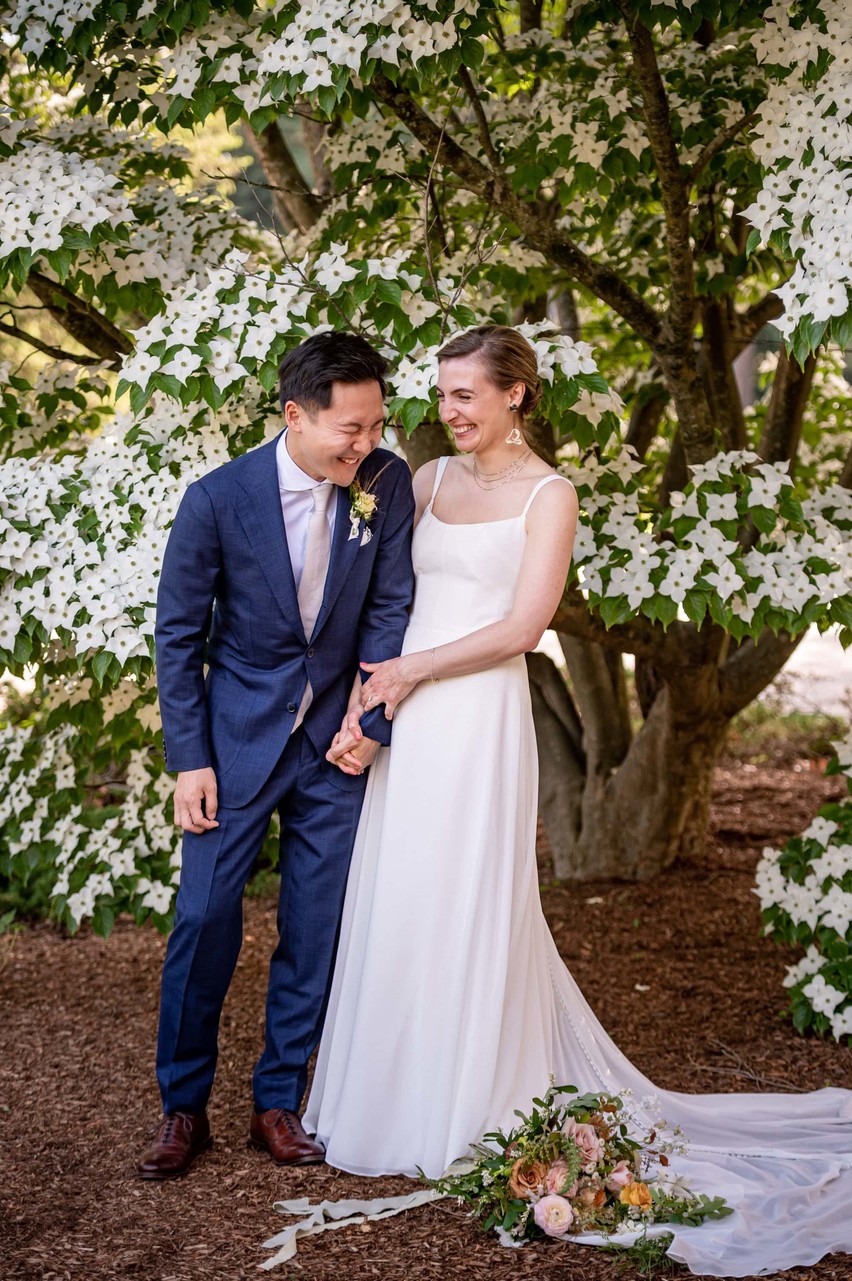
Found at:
[435, 678]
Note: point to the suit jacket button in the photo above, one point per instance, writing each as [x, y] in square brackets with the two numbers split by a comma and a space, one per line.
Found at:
[291, 707]
[311, 652]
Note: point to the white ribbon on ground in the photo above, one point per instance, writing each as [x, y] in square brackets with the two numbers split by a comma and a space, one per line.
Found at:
[326, 1215]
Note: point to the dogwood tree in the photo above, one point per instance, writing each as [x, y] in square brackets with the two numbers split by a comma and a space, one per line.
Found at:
[640, 188]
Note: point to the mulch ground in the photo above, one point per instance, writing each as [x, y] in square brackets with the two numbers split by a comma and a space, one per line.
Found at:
[78, 1098]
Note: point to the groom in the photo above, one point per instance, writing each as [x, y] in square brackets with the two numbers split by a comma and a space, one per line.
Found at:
[278, 577]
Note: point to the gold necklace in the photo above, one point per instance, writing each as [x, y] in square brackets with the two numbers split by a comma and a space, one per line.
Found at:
[493, 480]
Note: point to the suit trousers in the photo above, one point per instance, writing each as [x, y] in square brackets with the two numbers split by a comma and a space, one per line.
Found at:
[319, 807]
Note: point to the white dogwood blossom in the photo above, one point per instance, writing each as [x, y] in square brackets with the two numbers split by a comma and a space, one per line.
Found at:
[805, 893]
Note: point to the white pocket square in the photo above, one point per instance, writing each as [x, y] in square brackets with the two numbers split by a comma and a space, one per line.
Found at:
[366, 536]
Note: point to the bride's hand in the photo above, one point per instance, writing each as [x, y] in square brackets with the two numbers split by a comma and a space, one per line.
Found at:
[390, 683]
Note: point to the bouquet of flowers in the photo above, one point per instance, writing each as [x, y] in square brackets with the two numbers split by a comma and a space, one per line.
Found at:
[572, 1166]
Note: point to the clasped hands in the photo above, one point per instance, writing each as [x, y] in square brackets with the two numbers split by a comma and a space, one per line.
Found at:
[389, 683]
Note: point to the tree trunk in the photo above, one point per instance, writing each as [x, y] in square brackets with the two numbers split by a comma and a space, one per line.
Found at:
[427, 441]
[628, 818]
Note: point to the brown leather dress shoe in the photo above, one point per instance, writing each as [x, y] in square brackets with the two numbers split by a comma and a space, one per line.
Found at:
[182, 1136]
[281, 1133]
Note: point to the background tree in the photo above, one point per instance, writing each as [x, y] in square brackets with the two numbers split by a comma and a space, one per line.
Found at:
[651, 184]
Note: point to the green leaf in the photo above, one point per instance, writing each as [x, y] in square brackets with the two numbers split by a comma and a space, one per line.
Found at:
[412, 414]
[100, 665]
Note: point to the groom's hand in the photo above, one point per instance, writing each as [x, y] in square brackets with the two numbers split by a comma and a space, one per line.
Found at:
[196, 800]
[352, 755]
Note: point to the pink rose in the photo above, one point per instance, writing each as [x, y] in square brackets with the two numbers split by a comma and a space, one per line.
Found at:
[556, 1179]
[553, 1215]
[620, 1177]
[587, 1140]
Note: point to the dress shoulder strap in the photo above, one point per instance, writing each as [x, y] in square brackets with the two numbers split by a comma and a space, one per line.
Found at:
[544, 481]
[439, 475]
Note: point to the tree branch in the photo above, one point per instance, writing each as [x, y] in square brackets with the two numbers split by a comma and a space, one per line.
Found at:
[600, 699]
[716, 144]
[532, 219]
[751, 667]
[56, 352]
[531, 14]
[782, 429]
[845, 478]
[751, 321]
[673, 189]
[679, 648]
[645, 416]
[295, 204]
[83, 322]
[481, 119]
[717, 373]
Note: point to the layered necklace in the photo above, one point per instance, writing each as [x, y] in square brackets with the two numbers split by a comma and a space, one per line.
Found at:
[494, 479]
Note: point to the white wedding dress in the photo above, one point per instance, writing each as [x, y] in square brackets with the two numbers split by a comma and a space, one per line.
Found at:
[450, 1005]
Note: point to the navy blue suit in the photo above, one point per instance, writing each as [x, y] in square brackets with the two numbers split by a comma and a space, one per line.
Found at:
[227, 598]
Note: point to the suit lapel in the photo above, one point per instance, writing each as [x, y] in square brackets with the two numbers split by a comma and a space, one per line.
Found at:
[343, 552]
[259, 512]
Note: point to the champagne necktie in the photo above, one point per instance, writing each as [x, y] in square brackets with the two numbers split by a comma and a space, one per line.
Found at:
[312, 582]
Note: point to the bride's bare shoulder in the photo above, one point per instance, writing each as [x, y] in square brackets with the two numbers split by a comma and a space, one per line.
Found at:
[424, 480]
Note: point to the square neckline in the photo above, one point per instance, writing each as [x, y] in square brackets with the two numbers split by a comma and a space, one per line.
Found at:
[444, 462]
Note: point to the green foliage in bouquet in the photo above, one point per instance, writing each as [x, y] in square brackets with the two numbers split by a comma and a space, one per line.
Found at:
[573, 1166]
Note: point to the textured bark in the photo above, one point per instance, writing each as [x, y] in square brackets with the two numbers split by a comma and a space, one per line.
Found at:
[782, 429]
[674, 197]
[427, 441]
[86, 325]
[750, 667]
[675, 475]
[561, 763]
[296, 206]
[597, 679]
[695, 422]
[681, 646]
[314, 133]
[645, 417]
[58, 353]
[845, 478]
[531, 14]
[567, 316]
[633, 818]
[717, 373]
[648, 682]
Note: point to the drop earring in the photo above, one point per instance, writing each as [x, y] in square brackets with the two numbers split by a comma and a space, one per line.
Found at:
[514, 437]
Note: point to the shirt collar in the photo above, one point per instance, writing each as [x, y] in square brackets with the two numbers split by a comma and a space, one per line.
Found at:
[290, 475]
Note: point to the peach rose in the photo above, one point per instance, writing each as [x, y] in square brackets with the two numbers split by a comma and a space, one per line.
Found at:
[619, 1177]
[553, 1215]
[587, 1140]
[555, 1182]
[638, 1194]
[590, 1197]
[526, 1178]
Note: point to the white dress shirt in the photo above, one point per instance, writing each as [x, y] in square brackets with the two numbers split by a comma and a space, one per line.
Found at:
[294, 488]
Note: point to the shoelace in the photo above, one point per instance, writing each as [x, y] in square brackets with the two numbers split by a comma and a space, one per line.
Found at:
[287, 1117]
[167, 1131]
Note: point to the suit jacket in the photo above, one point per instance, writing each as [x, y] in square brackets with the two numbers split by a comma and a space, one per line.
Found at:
[227, 598]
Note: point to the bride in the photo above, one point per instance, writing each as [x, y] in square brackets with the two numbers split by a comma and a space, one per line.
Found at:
[450, 1006]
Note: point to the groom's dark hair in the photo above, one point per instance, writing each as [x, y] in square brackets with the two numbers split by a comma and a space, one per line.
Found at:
[308, 373]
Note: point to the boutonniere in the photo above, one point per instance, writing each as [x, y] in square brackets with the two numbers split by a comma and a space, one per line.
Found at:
[363, 503]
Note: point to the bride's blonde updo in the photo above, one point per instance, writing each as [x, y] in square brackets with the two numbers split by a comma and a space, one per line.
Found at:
[507, 356]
